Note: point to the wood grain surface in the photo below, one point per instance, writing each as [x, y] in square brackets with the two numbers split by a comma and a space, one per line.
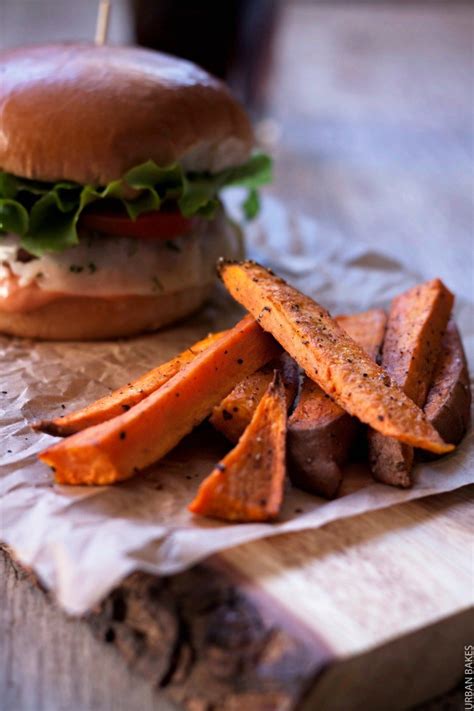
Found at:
[288, 622]
[373, 105]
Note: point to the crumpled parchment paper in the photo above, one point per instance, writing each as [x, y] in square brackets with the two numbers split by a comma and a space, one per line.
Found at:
[82, 541]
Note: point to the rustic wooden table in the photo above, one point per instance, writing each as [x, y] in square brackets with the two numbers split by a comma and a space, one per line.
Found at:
[374, 105]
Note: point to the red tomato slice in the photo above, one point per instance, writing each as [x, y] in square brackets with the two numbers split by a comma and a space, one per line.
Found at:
[150, 225]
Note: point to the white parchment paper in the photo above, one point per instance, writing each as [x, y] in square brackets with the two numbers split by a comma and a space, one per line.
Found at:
[82, 541]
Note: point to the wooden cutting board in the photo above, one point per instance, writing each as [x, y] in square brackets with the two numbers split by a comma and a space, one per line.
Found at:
[374, 609]
[386, 595]
[370, 612]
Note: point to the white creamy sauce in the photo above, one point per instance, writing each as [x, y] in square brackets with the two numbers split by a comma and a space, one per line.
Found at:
[116, 266]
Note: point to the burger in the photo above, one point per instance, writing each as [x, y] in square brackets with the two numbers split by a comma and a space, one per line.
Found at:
[112, 163]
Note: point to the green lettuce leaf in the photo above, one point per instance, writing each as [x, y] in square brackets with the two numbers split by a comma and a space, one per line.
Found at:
[14, 216]
[251, 205]
[45, 215]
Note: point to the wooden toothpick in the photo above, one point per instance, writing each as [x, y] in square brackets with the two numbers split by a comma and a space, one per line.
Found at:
[102, 26]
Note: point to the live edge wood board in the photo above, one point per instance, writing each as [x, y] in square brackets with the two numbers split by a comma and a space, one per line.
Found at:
[367, 613]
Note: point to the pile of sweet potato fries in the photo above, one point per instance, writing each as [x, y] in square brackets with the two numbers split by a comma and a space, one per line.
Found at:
[400, 382]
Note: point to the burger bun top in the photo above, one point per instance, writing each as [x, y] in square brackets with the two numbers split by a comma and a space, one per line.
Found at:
[88, 114]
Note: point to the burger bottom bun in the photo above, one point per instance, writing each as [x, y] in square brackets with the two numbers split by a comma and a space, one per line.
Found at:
[86, 318]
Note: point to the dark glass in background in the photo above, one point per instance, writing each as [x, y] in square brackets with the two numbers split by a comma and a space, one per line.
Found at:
[232, 39]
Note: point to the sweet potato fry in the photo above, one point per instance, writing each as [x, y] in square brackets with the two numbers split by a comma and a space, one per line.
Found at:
[233, 414]
[117, 449]
[366, 328]
[328, 355]
[248, 484]
[416, 323]
[320, 433]
[448, 405]
[121, 400]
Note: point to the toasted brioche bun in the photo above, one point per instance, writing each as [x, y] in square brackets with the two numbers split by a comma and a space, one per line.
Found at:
[83, 318]
[88, 114]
